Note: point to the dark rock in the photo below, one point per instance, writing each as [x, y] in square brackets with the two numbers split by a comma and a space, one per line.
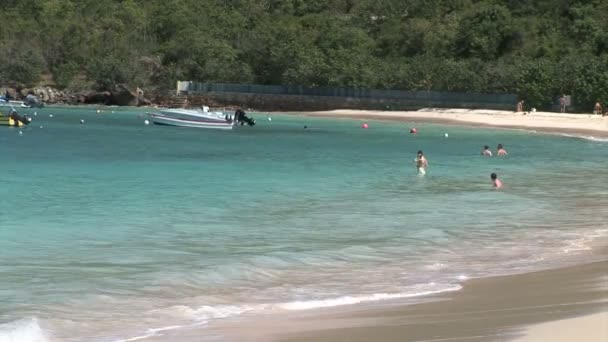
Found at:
[122, 96]
[13, 93]
[98, 98]
[144, 102]
[23, 92]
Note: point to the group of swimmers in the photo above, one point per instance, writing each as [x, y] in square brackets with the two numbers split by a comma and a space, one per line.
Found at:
[500, 151]
[422, 163]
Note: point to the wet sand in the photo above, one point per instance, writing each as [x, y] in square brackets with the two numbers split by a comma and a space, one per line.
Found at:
[579, 124]
[488, 309]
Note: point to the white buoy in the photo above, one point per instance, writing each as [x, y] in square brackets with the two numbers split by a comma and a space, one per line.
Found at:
[98, 111]
[35, 113]
[81, 121]
[20, 133]
[146, 122]
[112, 112]
[50, 115]
[41, 126]
[269, 119]
[446, 135]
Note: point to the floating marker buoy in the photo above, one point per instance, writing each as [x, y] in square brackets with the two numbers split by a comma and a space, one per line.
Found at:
[445, 135]
[413, 131]
[81, 121]
[112, 112]
[98, 111]
[146, 122]
[41, 126]
[364, 126]
[50, 115]
[269, 119]
[20, 133]
[35, 113]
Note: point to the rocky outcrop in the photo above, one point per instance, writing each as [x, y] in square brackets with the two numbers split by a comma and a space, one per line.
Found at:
[121, 95]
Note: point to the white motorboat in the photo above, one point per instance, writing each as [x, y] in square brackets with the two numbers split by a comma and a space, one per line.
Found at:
[199, 122]
[198, 118]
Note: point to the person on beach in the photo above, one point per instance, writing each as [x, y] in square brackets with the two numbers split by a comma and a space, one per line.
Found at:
[421, 163]
[500, 151]
[562, 103]
[486, 151]
[598, 108]
[495, 181]
[520, 106]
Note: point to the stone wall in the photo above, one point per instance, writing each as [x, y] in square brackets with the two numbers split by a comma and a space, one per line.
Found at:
[275, 102]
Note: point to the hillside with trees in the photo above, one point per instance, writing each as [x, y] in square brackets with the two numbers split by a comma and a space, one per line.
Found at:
[535, 48]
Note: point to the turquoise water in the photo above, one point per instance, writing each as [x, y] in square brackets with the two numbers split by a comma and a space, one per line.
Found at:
[113, 230]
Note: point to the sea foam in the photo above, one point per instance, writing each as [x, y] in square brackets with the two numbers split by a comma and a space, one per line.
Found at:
[23, 330]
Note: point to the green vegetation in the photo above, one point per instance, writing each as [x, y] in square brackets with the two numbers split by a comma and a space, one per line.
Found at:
[535, 48]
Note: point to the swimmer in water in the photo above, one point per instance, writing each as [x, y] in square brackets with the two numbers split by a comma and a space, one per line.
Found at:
[495, 181]
[421, 163]
[500, 151]
[486, 151]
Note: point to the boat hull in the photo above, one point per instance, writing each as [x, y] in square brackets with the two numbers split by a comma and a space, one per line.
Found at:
[163, 120]
[11, 104]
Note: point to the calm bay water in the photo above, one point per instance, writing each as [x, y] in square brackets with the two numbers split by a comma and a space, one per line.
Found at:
[113, 230]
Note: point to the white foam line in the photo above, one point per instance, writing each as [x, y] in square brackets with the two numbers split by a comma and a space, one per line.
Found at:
[136, 338]
[585, 137]
[349, 300]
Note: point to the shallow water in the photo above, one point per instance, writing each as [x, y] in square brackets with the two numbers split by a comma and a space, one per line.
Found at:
[113, 230]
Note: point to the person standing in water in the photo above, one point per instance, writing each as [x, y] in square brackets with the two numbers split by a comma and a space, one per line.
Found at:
[421, 163]
[500, 151]
[486, 151]
[495, 181]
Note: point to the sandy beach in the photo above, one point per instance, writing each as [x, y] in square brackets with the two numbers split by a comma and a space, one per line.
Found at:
[579, 124]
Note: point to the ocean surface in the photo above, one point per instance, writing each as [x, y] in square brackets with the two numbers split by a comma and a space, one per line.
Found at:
[112, 230]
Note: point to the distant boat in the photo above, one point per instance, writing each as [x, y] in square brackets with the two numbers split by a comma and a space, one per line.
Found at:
[31, 101]
[5, 103]
[198, 118]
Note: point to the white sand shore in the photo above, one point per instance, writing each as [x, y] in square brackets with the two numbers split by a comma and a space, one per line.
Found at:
[591, 328]
[594, 125]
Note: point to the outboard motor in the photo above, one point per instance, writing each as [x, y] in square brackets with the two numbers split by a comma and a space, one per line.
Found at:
[32, 101]
[241, 118]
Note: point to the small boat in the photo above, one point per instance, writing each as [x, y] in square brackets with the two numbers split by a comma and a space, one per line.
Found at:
[199, 118]
[11, 104]
[30, 101]
[161, 119]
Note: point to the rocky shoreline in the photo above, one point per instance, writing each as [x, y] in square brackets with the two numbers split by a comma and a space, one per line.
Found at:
[120, 95]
